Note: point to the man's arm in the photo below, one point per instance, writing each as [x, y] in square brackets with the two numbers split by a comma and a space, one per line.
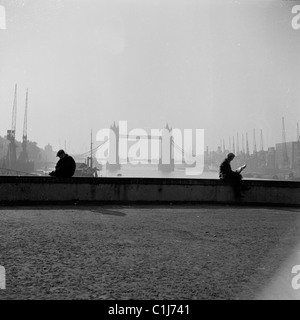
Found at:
[57, 170]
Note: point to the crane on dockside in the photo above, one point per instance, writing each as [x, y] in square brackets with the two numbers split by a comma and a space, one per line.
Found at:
[11, 157]
[23, 158]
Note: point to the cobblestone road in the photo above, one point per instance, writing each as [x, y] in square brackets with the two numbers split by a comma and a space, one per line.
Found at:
[158, 252]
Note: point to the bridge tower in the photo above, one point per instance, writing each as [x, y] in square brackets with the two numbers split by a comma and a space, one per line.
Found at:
[114, 150]
[166, 156]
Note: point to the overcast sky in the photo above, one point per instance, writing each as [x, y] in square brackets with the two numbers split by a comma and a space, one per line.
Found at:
[223, 66]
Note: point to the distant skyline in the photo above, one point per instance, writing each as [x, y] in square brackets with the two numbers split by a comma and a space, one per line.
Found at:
[220, 65]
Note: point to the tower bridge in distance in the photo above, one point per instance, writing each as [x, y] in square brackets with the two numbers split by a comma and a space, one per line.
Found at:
[279, 162]
[165, 143]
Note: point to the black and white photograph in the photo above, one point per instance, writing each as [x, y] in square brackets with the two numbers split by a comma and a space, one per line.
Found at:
[149, 152]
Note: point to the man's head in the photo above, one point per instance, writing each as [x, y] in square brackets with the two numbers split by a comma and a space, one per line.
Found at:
[230, 156]
[60, 153]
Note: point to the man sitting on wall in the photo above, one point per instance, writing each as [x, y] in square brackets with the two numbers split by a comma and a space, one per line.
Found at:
[65, 166]
[233, 177]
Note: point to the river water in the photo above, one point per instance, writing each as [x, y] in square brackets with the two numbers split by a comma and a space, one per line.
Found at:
[151, 171]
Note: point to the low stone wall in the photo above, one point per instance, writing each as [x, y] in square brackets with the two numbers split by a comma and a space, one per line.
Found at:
[121, 190]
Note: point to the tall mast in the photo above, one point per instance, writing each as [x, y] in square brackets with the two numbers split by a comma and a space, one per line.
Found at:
[91, 148]
[285, 160]
[237, 144]
[247, 144]
[25, 119]
[261, 141]
[11, 134]
[254, 142]
[14, 114]
[24, 155]
[243, 143]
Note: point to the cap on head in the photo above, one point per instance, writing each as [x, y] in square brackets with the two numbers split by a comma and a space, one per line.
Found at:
[60, 152]
[230, 155]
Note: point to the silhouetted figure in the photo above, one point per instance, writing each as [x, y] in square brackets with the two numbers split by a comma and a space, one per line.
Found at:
[65, 166]
[233, 177]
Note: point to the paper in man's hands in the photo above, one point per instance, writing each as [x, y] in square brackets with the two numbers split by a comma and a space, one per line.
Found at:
[240, 169]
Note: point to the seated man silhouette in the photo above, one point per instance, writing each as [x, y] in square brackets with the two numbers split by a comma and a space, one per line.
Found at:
[65, 166]
[233, 177]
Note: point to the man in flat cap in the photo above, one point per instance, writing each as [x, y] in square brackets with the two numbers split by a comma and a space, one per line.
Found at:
[233, 177]
[65, 166]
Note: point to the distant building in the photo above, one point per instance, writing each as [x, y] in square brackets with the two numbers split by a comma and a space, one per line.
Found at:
[48, 155]
[271, 162]
[288, 155]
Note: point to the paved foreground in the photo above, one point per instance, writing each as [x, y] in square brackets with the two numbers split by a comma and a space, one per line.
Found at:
[122, 252]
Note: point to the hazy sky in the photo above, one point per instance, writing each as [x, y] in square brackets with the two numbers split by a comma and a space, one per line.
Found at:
[223, 66]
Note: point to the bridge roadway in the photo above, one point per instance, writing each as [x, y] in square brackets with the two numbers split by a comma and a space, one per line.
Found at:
[149, 252]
